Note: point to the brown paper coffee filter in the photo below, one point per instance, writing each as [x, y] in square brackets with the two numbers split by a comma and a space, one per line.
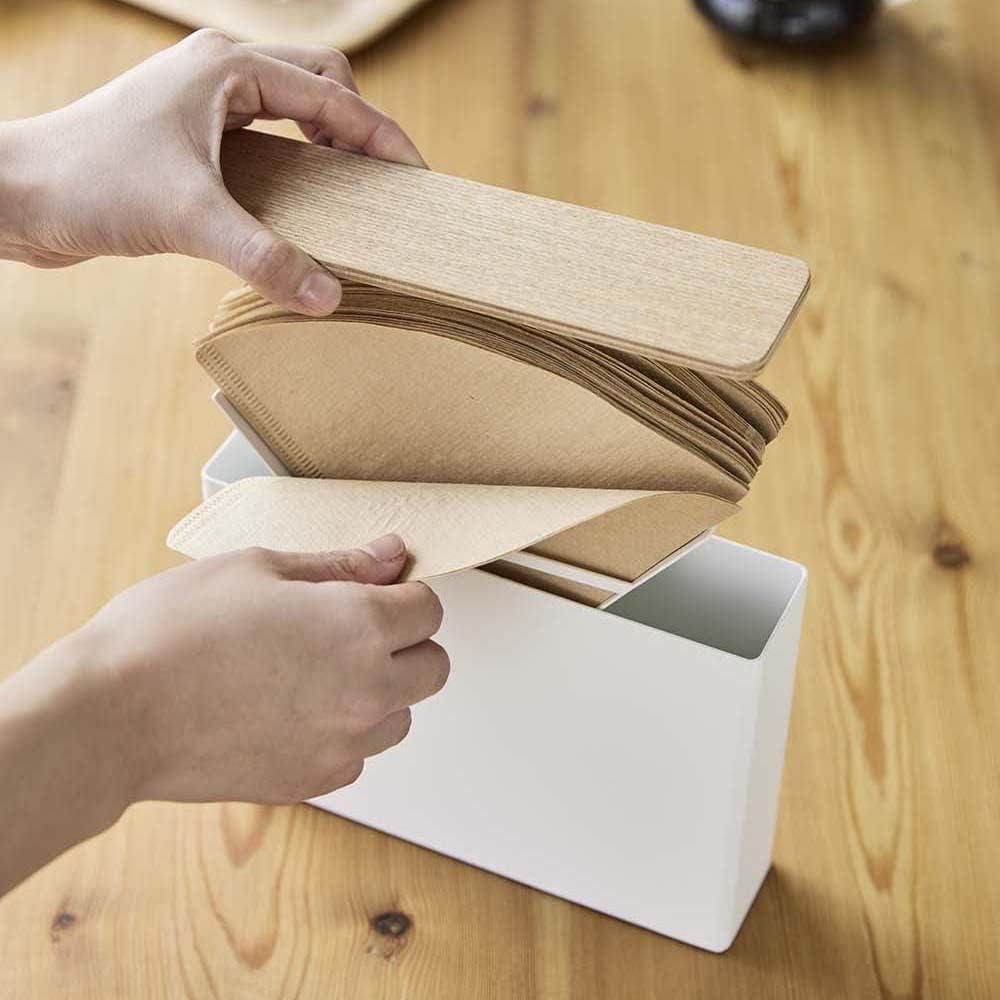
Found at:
[447, 527]
[503, 372]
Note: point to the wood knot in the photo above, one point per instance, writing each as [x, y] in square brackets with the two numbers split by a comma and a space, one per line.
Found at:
[951, 555]
[391, 924]
[538, 106]
[62, 921]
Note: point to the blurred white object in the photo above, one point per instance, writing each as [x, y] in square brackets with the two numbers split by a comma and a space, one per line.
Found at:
[341, 24]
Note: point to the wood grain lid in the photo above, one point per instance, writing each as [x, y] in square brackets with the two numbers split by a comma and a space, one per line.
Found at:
[692, 300]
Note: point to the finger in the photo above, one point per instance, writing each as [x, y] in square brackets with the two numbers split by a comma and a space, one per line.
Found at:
[380, 561]
[316, 59]
[416, 674]
[406, 613]
[322, 61]
[290, 92]
[387, 733]
[341, 777]
[224, 232]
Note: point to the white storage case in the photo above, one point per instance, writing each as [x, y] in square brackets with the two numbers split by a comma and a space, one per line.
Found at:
[627, 758]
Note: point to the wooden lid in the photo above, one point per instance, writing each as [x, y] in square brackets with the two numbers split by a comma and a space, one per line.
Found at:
[691, 300]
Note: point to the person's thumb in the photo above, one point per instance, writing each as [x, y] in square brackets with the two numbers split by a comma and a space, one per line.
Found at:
[380, 561]
[277, 269]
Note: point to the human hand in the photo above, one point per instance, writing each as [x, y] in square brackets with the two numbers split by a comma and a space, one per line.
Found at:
[263, 676]
[133, 168]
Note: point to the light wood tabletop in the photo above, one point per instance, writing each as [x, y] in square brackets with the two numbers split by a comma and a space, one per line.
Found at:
[880, 166]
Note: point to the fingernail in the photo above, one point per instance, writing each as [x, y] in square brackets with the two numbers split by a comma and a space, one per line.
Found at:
[415, 159]
[319, 292]
[388, 548]
[407, 152]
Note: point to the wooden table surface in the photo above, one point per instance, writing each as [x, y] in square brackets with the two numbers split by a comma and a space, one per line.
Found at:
[880, 166]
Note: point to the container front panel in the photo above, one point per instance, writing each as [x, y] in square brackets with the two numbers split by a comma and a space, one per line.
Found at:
[597, 759]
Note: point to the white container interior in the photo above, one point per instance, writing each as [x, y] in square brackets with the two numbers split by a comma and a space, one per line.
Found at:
[723, 596]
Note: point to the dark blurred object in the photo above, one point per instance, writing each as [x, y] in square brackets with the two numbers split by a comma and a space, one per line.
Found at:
[789, 22]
